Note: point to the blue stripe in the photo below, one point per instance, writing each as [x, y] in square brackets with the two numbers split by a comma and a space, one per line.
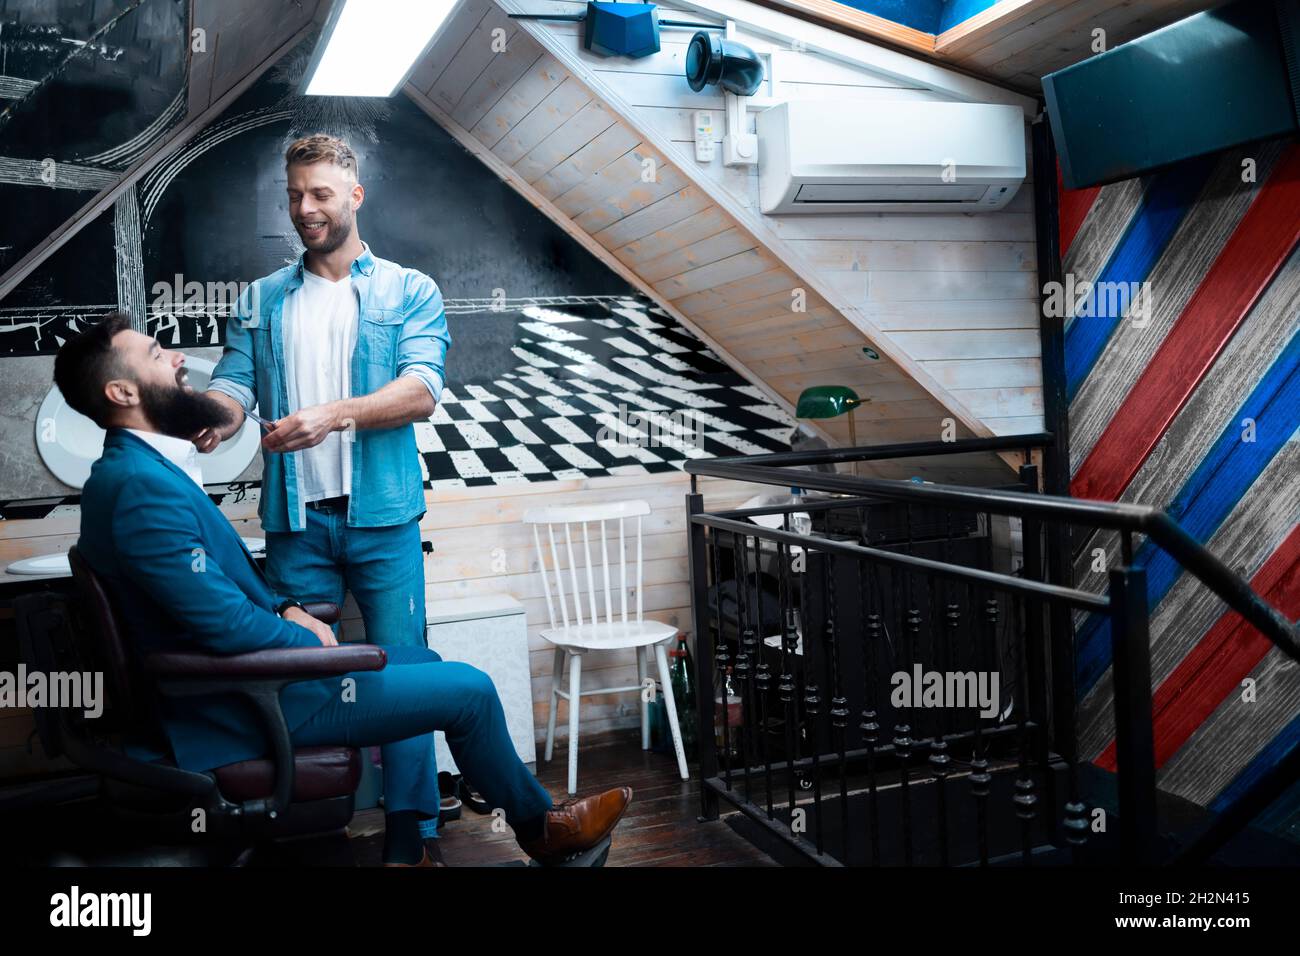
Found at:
[1167, 199]
[1209, 495]
[1272, 754]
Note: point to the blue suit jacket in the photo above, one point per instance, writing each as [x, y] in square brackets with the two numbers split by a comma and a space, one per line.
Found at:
[182, 579]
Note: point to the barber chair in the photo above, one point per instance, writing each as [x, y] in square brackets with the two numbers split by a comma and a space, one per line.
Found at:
[292, 792]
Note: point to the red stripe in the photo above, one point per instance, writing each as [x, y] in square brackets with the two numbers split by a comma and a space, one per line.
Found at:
[1225, 656]
[1072, 207]
[1245, 266]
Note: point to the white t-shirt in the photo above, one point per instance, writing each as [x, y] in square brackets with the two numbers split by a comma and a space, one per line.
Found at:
[320, 332]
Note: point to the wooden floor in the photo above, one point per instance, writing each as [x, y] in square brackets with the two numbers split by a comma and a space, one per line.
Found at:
[659, 828]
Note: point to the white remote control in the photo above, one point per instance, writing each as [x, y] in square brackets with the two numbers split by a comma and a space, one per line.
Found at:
[704, 136]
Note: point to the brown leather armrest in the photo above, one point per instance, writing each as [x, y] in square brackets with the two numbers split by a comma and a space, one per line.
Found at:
[303, 663]
[323, 611]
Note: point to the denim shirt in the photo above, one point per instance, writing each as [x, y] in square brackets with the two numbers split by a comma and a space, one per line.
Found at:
[401, 330]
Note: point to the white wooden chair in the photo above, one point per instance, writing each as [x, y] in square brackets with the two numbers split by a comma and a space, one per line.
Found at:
[579, 631]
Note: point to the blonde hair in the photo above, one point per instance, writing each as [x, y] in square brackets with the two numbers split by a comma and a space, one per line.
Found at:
[320, 148]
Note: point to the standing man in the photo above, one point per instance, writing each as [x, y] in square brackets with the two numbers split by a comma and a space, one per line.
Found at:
[342, 351]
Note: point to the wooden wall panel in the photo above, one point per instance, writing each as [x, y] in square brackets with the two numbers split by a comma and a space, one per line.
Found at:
[1219, 453]
[480, 547]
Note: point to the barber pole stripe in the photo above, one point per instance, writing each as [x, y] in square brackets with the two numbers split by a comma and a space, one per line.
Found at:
[1245, 541]
[1249, 260]
[1156, 418]
[1182, 267]
[1223, 658]
[1272, 754]
[1072, 209]
[1101, 231]
[1202, 504]
[1164, 205]
[1239, 368]
[1241, 740]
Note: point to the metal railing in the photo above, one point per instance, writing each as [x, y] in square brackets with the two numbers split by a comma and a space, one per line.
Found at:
[816, 641]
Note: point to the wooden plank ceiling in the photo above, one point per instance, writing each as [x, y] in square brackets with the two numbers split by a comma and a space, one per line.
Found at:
[1016, 42]
[540, 127]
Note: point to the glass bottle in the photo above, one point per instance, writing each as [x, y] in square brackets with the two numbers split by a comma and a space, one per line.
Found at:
[683, 679]
[731, 713]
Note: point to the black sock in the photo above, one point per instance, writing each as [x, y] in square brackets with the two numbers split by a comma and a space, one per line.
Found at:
[530, 829]
[402, 840]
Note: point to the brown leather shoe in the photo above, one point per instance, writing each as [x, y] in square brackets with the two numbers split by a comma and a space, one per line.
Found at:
[577, 824]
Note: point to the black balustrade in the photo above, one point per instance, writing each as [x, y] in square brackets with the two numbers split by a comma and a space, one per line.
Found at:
[913, 693]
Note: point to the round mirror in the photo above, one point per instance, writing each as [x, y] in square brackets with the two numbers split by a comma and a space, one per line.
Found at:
[70, 443]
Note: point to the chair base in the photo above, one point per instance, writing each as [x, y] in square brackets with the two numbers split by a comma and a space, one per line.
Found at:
[176, 826]
[592, 856]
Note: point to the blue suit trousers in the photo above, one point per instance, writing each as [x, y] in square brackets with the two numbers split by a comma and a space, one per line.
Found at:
[401, 706]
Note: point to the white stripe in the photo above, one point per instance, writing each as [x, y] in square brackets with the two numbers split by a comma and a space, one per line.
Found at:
[1182, 266]
[1229, 382]
[1256, 527]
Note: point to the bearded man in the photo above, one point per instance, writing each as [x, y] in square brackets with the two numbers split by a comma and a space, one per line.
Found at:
[181, 579]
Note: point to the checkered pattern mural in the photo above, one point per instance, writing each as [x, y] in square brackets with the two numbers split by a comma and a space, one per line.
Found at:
[580, 386]
[612, 387]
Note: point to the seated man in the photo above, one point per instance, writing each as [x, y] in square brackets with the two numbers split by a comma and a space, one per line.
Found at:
[183, 580]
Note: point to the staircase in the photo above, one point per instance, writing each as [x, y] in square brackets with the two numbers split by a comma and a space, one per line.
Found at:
[901, 678]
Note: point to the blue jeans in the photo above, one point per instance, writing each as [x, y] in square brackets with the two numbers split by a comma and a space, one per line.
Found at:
[384, 570]
[382, 567]
[400, 707]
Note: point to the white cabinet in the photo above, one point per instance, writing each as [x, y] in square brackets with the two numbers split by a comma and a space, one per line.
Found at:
[491, 633]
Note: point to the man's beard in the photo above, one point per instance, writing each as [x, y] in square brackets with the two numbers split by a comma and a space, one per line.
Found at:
[336, 233]
[180, 413]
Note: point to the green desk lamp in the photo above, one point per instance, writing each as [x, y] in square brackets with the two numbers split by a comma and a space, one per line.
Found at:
[830, 401]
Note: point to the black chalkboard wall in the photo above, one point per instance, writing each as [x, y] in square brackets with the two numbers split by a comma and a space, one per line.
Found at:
[91, 107]
[216, 211]
[532, 377]
[429, 205]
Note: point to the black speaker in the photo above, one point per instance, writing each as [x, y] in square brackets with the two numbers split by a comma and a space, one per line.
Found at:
[711, 59]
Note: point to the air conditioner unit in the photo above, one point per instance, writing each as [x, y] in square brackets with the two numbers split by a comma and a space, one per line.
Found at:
[824, 156]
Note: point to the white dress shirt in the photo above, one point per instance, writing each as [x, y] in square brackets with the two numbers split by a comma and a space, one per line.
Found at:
[179, 451]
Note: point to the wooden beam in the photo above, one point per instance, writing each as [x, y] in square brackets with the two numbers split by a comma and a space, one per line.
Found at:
[963, 37]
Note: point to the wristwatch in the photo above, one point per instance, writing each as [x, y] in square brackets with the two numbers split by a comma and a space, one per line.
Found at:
[288, 603]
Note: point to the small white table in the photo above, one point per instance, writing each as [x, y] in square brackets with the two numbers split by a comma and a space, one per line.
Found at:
[490, 633]
[56, 565]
